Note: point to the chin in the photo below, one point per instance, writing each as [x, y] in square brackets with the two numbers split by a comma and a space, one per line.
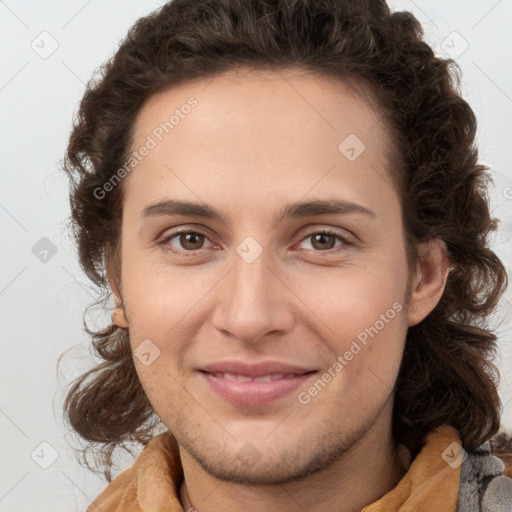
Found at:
[272, 465]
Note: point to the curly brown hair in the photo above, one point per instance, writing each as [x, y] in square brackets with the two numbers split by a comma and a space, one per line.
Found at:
[447, 374]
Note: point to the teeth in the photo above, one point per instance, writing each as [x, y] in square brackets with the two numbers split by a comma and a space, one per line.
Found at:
[263, 378]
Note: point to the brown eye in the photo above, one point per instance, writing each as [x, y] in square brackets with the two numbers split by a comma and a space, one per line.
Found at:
[187, 241]
[323, 241]
[326, 240]
[191, 241]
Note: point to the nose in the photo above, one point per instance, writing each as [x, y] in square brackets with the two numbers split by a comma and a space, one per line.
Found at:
[253, 301]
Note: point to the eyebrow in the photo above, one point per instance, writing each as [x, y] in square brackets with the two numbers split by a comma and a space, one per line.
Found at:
[291, 211]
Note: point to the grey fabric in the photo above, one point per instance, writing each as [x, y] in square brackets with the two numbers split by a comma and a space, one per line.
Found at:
[483, 487]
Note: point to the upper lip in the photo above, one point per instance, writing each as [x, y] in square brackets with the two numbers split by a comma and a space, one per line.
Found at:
[255, 369]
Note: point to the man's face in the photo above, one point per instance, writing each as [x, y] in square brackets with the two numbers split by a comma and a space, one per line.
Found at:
[322, 314]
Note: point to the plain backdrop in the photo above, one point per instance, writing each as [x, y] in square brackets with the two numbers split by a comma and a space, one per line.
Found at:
[49, 51]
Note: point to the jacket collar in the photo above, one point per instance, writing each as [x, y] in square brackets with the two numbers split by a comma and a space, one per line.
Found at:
[153, 482]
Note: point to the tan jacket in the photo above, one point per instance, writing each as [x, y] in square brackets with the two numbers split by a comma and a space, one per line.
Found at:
[430, 484]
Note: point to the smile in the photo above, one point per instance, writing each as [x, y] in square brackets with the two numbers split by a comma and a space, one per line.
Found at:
[247, 378]
[245, 390]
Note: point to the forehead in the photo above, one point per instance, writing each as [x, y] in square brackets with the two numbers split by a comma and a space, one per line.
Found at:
[261, 101]
[254, 131]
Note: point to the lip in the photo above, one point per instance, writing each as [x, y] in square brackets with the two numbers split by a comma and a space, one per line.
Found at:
[253, 393]
[255, 369]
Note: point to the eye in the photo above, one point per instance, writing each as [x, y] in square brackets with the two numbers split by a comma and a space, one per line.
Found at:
[187, 241]
[191, 241]
[325, 240]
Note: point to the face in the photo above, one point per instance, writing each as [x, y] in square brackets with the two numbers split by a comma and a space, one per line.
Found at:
[228, 276]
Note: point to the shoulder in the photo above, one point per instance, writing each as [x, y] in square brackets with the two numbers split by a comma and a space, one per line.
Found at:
[483, 485]
[151, 483]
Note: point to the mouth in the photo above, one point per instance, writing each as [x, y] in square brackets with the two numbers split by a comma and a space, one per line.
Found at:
[249, 390]
[247, 378]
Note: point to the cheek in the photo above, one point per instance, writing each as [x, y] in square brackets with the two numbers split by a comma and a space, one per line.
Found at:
[158, 294]
[349, 301]
[164, 389]
[362, 317]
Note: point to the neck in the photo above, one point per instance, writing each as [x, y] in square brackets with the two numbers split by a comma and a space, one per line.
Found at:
[371, 468]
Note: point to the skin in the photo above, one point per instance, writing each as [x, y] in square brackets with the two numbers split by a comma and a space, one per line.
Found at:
[258, 140]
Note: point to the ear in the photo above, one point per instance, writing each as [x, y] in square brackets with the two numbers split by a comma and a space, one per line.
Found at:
[119, 318]
[118, 315]
[428, 283]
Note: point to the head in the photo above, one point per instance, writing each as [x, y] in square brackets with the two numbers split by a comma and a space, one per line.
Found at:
[381, 285]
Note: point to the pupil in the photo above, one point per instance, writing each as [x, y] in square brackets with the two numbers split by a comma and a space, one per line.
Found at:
[322, 239]
[189, 239]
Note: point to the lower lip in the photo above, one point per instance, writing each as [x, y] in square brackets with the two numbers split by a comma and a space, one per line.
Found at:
[254, 393]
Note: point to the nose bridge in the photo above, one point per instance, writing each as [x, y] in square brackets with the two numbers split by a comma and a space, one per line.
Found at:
[250, 279]
[250, 303]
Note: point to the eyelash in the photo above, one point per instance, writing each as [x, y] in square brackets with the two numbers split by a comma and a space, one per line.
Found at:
[165, 241]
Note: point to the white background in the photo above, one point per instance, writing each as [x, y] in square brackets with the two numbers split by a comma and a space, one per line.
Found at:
[41, 304]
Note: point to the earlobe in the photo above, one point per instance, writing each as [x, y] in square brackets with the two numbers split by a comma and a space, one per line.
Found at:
[119, 318]
[118, 315]
[429, 283]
